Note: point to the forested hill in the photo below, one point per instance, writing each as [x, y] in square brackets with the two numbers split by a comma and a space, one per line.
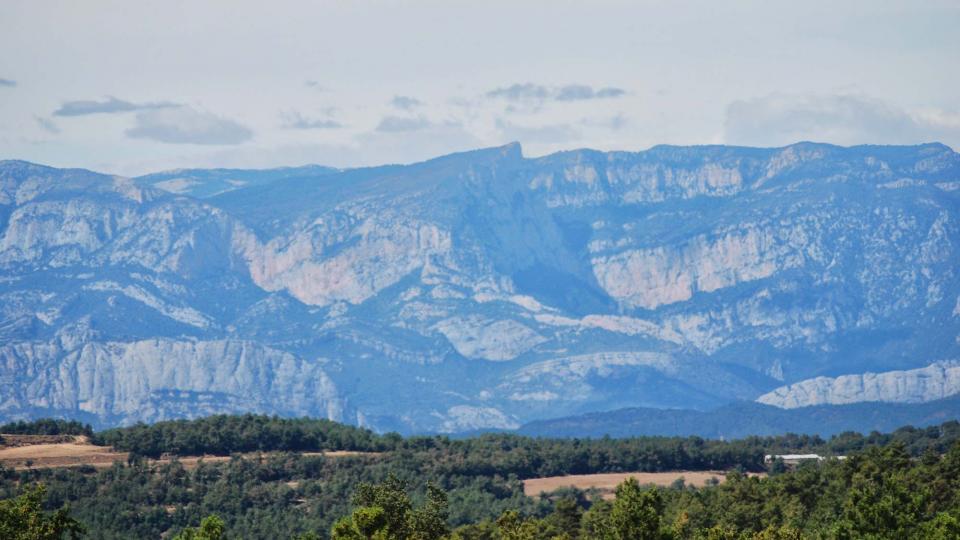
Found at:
[275, 485]
[224, 435]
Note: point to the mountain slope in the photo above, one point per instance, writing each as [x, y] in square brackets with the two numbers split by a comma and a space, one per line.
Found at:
[483, 289]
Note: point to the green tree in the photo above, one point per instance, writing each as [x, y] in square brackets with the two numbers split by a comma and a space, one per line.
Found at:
[595, 522]
[566, 516]
[511, 526]
[211, 528]
[429, 522]
[943, 526]
[636, 512]
[365, 523]
[23, 518]
[384, 511]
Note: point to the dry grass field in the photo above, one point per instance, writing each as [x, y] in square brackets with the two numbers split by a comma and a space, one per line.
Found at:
[606, 483]
[41, 451]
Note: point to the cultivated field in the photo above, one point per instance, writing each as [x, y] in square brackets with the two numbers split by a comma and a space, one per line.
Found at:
[606, 483]
[45, 451]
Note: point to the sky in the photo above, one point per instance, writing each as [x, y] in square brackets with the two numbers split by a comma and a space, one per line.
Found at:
[135, 87]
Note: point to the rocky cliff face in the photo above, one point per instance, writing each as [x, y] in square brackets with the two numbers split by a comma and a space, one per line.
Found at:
[123, 382]
[936, 381]
[481, 289]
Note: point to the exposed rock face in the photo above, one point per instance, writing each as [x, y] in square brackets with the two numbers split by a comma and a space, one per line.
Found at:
[162, 378]
[480, 289]
[652, 277]
[475, 337]
[933, 382]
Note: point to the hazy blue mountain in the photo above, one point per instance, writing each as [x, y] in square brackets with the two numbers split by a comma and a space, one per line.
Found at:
[484, 289]
[743, 419]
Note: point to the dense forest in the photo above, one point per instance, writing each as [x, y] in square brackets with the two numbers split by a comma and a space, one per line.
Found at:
[898, 485]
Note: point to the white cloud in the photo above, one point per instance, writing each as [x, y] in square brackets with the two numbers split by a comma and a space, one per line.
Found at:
[579, 92]
[295, 120]
[520, 92]
[405, 103]
[530, 92]
[109, 105]
[186, 125]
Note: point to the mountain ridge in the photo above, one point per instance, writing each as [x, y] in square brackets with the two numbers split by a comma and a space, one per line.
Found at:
[485, 289]
[746, 419]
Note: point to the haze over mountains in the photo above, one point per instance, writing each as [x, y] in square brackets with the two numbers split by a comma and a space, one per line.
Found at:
[484, 289]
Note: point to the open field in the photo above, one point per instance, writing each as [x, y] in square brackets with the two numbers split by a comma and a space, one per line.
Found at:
[45, 451]
[39, 452]
[606, 483]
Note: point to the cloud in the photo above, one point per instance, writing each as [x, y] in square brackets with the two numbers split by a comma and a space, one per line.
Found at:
[185, 125]
[530, 92]
[46, 124]
[577, 92]
[846, 119]
[315, 85]
[405, 103]
[7, 82]
[550, 134]
[295, 120]
[109, 105]
[521, 92]
[395, 124]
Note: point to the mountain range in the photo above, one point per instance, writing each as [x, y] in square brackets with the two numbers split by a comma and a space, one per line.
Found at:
[486, 290]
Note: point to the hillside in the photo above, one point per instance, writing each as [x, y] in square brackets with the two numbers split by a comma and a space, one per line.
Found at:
[282, 478]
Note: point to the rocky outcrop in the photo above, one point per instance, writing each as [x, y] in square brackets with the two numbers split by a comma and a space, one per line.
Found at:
[159, 379]
[930, 383]
[652, 277]
[476, 337]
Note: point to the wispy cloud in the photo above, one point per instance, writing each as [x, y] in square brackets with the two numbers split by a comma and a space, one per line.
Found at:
[520, 92]
[110, 105]
[7, 83]
[405, 103]
[295, 120]
[186, 125]
[578, 92]
[47, 125]
[782, 119]
[393, 124]
[530, 92]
